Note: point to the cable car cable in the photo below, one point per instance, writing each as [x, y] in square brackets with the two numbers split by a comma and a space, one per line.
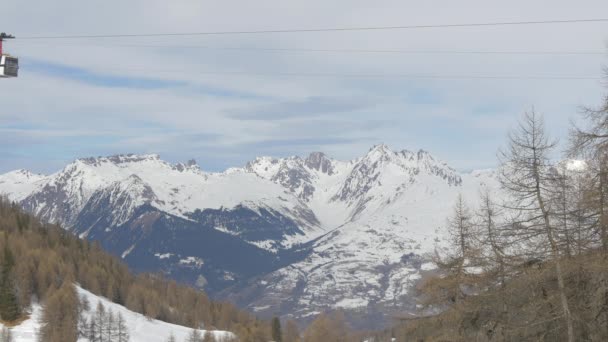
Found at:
[335, 29]
[360, 51]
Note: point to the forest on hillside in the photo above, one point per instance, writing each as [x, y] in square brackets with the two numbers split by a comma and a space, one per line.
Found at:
[40, 263]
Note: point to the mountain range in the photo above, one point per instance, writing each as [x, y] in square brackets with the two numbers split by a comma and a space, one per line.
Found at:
[280, 236]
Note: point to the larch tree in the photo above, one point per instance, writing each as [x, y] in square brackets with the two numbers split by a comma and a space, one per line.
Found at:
[491, 239]
[195, 336]
[122, 331]
[100, 322]
[208, 337]
[591, 143]
[171, 338]
[490, 233]
[526, 175]
[452, 287]
[91, 332]
[6, 335]
[327, 328]
[292, 333]
[574, 203]
[109, 331]
[59, 321]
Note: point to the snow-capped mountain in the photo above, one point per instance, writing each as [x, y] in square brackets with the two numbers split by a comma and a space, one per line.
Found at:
[294, 234]
[388, 209]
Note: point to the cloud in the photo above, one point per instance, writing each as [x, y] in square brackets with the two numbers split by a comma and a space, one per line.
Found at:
[224, 106]
[96, 78]
[309, 107]
[310, 143]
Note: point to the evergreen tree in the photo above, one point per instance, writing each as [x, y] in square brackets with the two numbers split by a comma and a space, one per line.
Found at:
[100, 322]
[109, 328]
[122, 332]
[9, 307]
[6, 335]
[92, 331]
[277, 335]
[171, 338]
[208, 337]
[195, 336]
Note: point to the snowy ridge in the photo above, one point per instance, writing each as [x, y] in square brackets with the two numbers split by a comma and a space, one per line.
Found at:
[19, 183]
[350, 234]
[175, 189]
[374, 261]
[141, 329]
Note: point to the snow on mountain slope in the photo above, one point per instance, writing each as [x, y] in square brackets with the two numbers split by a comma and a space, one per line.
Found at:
[397, 205]
[141, 329]
[339, 192]
[350, 234]
[19, 183]
[176, 189]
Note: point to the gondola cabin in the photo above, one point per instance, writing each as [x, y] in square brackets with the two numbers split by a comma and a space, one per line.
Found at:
[9, 65]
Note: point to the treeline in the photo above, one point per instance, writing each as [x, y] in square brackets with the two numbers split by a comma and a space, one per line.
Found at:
[41, 263]
[532, 265]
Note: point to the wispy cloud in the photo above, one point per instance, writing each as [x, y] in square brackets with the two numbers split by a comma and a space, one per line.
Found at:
[97, 78]
[309, 107]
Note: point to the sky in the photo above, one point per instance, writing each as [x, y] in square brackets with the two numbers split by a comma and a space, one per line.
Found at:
[225, 99]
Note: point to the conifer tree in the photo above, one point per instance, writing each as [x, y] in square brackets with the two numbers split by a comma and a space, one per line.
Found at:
[9, 307]
[327, 328]
[591, 143]
[122, 331]
[60, 315]
[92, 331]
[208, 337]
[452, 287]
[527, 177]
[110, 333]
[171, 338]
[292, 333]
[277, 335]
[195, 336]
[100, 322]
[6, 335]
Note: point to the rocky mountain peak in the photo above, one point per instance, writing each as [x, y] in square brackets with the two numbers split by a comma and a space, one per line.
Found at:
[119, 159]
[22, 175]
[189, 165]
[320, 162]
[379, 152]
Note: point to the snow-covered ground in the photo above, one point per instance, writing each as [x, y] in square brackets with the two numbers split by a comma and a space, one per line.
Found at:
[141, 329]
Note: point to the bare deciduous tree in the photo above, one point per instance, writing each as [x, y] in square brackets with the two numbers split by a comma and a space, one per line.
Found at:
[527, 176]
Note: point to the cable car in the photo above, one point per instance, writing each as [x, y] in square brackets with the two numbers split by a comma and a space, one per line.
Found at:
[9, 65]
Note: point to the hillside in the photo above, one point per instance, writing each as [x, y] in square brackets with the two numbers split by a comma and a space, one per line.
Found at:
[141, 328]
[42, 263]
